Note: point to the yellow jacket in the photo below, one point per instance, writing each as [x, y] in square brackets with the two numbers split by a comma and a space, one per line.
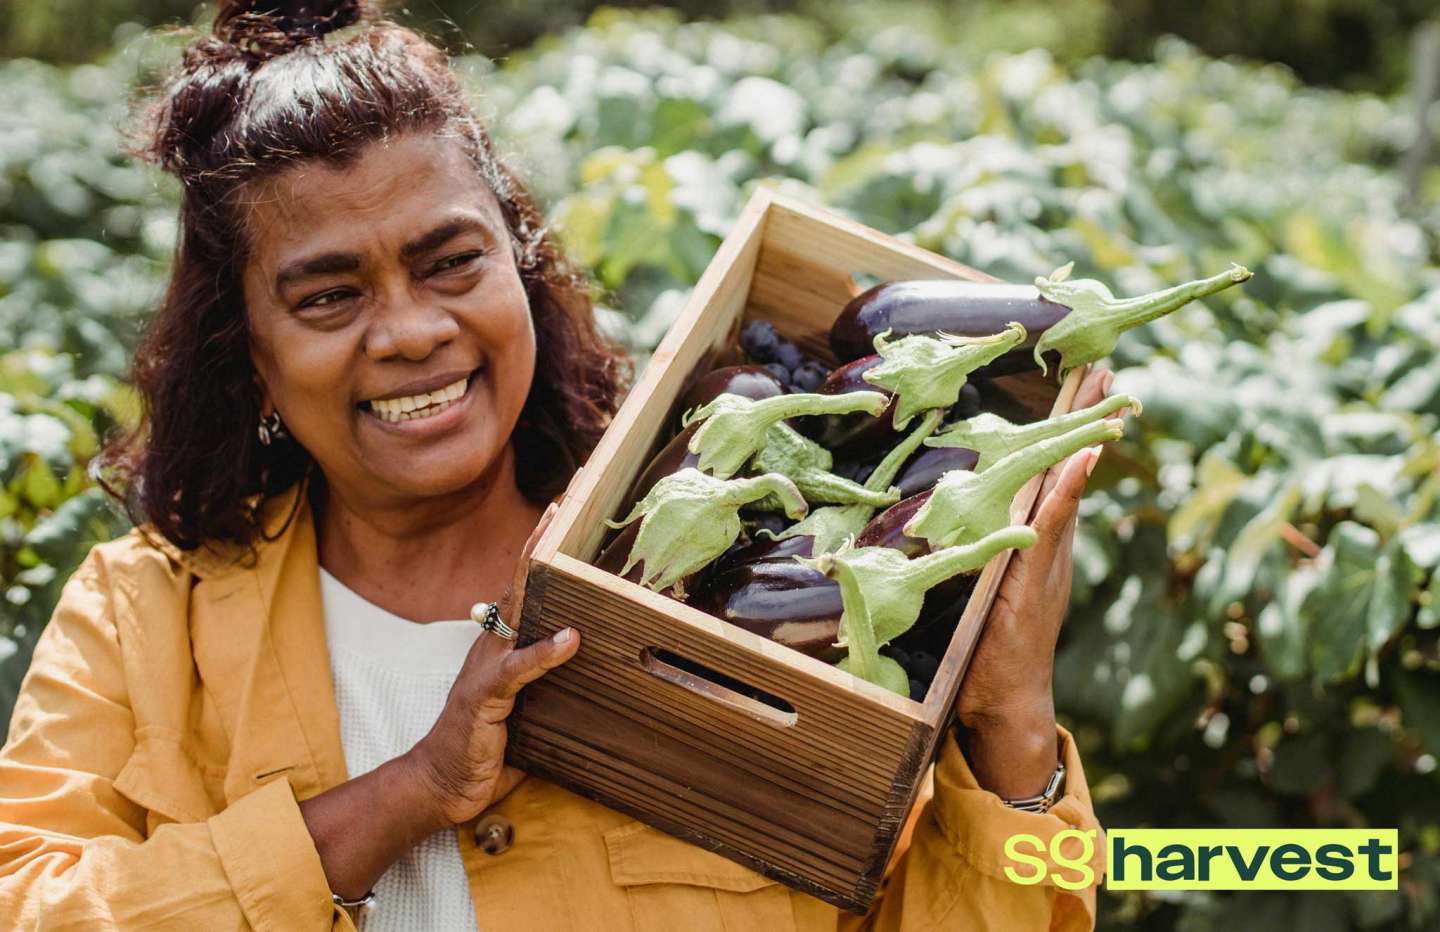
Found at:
[178, 706]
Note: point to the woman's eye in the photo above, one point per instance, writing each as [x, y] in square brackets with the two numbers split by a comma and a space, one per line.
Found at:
[326, 298]
[456, 261]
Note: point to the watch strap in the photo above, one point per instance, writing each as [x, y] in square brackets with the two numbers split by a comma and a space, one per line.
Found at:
[1047, 797]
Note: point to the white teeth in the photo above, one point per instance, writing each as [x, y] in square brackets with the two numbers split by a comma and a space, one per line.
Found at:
[414, 407]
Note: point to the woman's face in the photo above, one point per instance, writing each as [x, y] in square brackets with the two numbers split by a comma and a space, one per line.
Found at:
[389, 324]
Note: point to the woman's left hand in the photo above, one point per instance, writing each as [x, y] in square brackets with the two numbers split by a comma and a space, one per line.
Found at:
[1006, 705]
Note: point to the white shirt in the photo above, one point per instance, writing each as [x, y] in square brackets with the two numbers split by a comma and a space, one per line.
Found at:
[392, 677]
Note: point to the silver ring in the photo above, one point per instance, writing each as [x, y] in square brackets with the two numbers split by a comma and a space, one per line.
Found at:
[488, 615]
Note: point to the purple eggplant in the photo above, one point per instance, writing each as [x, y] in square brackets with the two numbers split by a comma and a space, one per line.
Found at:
[792, 604]
[854, 436]
[967, 309]
[778, 599]
[887, 529]
[1092, 317]
[612, 558]
[754, 382]
[926, 466]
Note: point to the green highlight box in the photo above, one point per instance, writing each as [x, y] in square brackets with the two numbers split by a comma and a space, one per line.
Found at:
[1252, 859]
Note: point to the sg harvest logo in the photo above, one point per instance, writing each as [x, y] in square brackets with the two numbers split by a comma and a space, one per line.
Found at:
[1210, 859]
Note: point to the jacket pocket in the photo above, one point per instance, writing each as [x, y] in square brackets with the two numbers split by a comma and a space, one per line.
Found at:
[162, 778]
[671, 884]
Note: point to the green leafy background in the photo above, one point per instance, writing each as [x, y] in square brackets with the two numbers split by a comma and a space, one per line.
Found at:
[1253, 640]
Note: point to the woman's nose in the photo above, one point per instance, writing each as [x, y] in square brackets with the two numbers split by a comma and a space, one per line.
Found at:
[410, 329]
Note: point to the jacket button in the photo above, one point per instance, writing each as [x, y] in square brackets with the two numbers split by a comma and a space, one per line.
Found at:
[494, 834]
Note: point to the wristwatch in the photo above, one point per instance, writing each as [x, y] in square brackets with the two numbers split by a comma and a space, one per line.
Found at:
[1047, 798]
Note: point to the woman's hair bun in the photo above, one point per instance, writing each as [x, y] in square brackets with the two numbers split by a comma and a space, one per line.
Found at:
[263, 29]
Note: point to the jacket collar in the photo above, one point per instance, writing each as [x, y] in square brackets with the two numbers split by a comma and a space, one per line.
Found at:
[258, 632]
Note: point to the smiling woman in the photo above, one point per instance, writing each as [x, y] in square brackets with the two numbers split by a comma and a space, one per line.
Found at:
[343, 194]
[371, 372]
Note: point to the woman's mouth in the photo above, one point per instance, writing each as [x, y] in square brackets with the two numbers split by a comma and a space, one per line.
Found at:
[417, 407]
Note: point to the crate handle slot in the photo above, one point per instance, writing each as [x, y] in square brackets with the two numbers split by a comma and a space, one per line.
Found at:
[712, 684]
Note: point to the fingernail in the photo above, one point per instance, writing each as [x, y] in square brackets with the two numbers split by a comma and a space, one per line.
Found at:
[1094, 458]
[562, 637]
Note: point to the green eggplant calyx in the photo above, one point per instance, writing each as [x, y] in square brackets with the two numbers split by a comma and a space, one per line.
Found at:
[831, 525]
[927, 372]
[883, 593]
[690, 518]
[807, 464]
[1097, 318]
[966, 506]
[736, 427]
[993, 438]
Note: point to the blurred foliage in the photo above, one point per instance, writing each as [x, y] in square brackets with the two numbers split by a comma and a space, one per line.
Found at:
[1255, 637]
[1358, 44]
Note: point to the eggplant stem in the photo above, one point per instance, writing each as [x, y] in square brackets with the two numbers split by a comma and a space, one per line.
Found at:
[966, 508]
[1097, 317]
[1013, 471]
[933, 569]
[895, 460]
[992, 437]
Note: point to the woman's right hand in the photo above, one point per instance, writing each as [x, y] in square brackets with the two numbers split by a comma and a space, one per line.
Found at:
[460, 762]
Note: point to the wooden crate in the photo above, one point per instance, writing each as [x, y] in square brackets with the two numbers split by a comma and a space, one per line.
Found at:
[813, 787]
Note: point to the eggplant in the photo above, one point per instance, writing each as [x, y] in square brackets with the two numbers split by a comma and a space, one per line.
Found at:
[754, 382]
[991, 437]
[853, 436]
[747, 381]
[829, 527]
[807, 464]
[887, 529]
[967, 309]
[733, 428]
[792, 604]
[1092, 317]
[924, 468]
[965, 507]
[778, 599]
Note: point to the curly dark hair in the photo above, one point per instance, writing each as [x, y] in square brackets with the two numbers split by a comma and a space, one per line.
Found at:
[274, 85]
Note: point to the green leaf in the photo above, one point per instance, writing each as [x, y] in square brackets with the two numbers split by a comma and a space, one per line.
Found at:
[1283, 629]
[1338, 610]
[1392, 599]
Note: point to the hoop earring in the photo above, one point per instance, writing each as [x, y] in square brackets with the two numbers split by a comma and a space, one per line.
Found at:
[270, 428]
